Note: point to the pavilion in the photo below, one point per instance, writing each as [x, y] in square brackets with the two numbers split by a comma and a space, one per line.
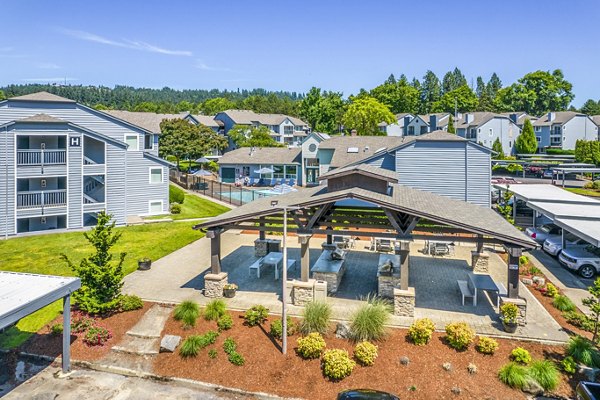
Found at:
[369, 199]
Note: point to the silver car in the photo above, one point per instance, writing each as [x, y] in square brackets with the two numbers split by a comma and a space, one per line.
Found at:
[541, 233]
[553, 244]
[585, 261]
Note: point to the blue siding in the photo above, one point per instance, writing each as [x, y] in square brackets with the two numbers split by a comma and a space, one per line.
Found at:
[479, 175]
[74, 183]
[385, 161]
[7, 181]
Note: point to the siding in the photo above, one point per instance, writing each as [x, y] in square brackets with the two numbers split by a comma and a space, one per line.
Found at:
[479, 174]
[385, 161]
[7, 177]
[115, 184]
[74, 182]
[139, 189]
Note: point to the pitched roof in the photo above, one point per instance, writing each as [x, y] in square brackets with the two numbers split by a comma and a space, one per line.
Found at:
[147, 120]
[45, 118]
[521, 116]
[430, 206]
[560, 117]
[351, 149]
[42, 96]
[596, 119]
[362, 169]
[440, 136]
[208, 120]
[247, 117]
[262, 155]
[479, 118]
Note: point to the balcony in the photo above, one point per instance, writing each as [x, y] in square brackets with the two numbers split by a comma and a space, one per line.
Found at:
[41, 157]
[41, 199]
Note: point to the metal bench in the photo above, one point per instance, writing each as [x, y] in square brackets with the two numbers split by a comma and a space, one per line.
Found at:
[465, 290]
[501, 292]
[257, 264]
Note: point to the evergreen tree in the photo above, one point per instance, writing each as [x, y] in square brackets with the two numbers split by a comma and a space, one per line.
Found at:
[497, 147]
[451, 128]
[431, 91]
[526, 142]
[101, 279]
[593, 302]
[493, 85]
[391, 80]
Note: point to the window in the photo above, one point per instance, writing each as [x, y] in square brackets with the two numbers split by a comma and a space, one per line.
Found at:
[510, 143]
[312, 147]
[278, 171]
[491, 132]
[155, 207]
[288, 130]
[352, 149]
[538, 128]
[148, 142]
[290, 171]
[156, 175]
[298, 128]
[423, 129]
[411, 131]
[132, 142]
[556, 130]
[539, 139]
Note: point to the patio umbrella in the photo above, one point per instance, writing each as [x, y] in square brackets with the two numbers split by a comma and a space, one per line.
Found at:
[202, 172]
[264, 170]
[202, 160]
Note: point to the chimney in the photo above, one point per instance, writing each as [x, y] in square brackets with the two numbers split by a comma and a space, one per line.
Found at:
[433, 122]
[551, 116]
[353, 132]
[469, 118]
[513, 117]
[406, 121]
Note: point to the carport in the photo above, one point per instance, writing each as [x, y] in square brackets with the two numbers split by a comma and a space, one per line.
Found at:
[573, 169]
[22, 294]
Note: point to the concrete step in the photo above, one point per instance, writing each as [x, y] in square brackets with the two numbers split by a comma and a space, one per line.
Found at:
[152, 323]
[138, 346]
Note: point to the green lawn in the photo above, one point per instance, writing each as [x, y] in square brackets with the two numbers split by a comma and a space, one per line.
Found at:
[41, 254]
[196, 207]
[585, 192]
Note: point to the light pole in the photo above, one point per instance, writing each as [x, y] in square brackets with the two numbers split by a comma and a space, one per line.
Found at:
[283, 281]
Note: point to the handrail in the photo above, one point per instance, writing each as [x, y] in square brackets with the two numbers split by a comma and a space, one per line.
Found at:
[41, 198]
[41, 157]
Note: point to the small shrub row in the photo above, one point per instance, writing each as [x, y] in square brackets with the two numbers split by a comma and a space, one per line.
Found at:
[579, 320]
[230, 348]
[487, 345]
[310, 346]
[131, 302]
[459, 335]
[192, 345]
[421, 331]
[256, 315]
[96, 336]
[337, 364]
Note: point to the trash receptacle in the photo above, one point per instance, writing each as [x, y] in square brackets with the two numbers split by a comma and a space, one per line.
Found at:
[320, 290]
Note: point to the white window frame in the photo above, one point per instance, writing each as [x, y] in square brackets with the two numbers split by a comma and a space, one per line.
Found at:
[137, 142]
[538, 128]
[150, 202]
[162, 173]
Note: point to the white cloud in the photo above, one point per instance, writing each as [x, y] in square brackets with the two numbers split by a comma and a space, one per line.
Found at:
[125, 43]
[49, 80]
[48, 65]
[205, 67]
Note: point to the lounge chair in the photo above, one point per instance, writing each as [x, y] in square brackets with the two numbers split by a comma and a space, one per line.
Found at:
[273, 180]
[279, 181]
[292, 182]
[251, 182]
[261, 182]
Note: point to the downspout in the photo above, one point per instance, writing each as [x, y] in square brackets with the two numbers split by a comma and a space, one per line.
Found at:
[6, 182]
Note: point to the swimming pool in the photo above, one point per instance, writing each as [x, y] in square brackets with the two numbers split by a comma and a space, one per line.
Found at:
[246, 196]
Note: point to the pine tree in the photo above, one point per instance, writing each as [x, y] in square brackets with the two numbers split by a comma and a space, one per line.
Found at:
[101, 279]
[451, 128]
[526, 143]
[497, 147]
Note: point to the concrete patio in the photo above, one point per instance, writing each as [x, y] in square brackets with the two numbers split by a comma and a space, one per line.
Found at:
[180, 276]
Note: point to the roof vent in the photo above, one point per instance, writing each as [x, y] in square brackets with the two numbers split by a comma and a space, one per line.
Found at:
[352, 149]
[366, 148]
[380, 150]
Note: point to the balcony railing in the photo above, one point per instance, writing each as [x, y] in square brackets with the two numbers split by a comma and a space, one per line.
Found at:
[41, 157]
[42, 198]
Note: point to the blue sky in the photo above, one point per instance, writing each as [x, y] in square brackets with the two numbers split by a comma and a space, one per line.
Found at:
[293, 45]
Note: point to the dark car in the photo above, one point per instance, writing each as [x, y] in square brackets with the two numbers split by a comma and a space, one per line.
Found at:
[588, 391]
[365, 394]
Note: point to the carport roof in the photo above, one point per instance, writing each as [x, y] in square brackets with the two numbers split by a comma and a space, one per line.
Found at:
[22, 294]
[569, 210]
[546, 193]
[587, 229]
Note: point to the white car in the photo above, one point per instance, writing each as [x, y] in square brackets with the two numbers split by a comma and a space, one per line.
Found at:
[585, 261]
[553, 244]
[541, 233]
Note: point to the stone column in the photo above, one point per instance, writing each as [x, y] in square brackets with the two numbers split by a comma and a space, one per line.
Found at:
[215, 249]
[480, 261]
[404, 302]
[302, 292]
[521, 304]
[513, 272]
[213, 284]
[304, 241]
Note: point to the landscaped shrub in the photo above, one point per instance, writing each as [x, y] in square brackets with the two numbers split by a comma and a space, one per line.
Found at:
[277, 329]
[523, 260]
[579, 320]
[368, 322]
[175, 208]
[520, 355]
[229, 345]
[487, 345]
[563, 303]
[130, 302]
[545, 373]
[81, 322]
[236, 358]
[583, 350]
[316, 317]
[96, 336]
[569, 365]
[208, 338]
[256, 315]
[551, 290]
[459, 335]
[176, 195]
[365, 353]
[225, 322]
[214, 310]
[56, 329]
[212, 353]
[310, 346]
[187, 312]
[191, 346]
[420, 331]
[513, 375]
[337, 364]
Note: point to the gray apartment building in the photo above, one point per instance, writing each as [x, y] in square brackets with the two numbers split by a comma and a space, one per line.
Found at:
[62, 162]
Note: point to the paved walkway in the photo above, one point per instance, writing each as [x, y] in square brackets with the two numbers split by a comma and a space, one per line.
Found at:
[180, 276]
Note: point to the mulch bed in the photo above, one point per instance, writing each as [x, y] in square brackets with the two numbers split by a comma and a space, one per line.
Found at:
[46, 343]
[267, 370]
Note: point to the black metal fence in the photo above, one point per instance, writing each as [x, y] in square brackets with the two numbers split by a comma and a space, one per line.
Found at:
[225, 192]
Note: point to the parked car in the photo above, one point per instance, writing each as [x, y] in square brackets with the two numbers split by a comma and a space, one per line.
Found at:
[588, 391]
[365, 394]
[541, 233]
[585, 261]
[504, 179]
[547, 174]
[553, 244]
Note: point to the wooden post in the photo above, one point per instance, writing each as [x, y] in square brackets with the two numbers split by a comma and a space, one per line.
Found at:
[513, 272]
[479, 244]
[262, 234]
[215, 249]
[66, 343]
[304, 241]
[403, 251]
[329, 237]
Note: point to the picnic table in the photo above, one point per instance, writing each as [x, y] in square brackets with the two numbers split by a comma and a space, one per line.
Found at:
[275, 258]
[483, 282]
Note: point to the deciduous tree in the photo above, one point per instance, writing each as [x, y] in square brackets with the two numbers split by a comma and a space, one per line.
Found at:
[216, 105]
[463, 98]
[364, 114]
[251, 136]
[593, 302]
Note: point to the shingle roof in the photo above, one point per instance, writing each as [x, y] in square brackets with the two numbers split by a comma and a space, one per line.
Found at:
[521, 116]
[45, 118]
[479, 118]
[262, 155]
[596, 119]
[42, 96]
[366, 146]
[430, 206]
[147, 120]
[208, 120]
[440, 136]
[366, 169]
[560, 117]
[247, 117]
